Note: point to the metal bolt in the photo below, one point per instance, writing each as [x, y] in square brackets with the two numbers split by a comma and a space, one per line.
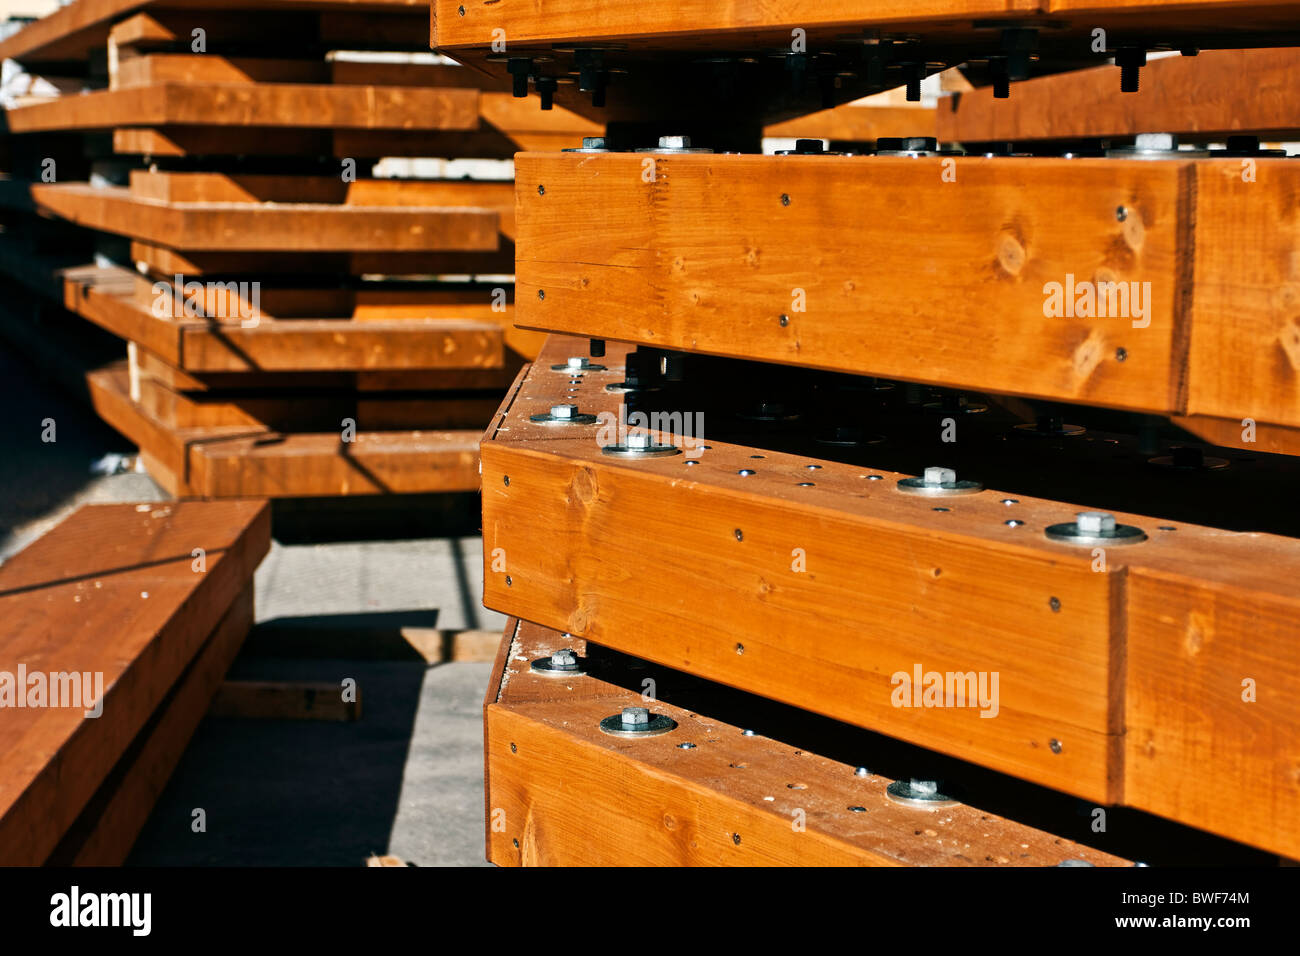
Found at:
[578, 363]
[674, 142]
[639, 442]
[1130, 61]
[862, 772]
[940, 476]
[925, 786]
[563, 411]
[1164, 142]
[564, 658]
[634, 717]
[1095, 522]
[593, 142]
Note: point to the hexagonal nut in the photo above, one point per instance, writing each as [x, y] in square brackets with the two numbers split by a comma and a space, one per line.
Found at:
[639, 441]
[636, 717]
[674, 142]
[564, 658]
[593, 142]
[577, 361]
[940, 476]
[1095, 522]
[563, 411]
[1154, 141]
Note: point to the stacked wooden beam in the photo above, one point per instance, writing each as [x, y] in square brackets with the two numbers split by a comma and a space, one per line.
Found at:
[259, 200]
[1018, 421]
[108, 661]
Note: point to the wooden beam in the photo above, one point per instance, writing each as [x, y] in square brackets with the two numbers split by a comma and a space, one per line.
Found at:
[731, 800]
[254, 226]
[1213, 95]
[804, 260]
[107, 829]
[137, 611]
[279, 105]
[225, 461]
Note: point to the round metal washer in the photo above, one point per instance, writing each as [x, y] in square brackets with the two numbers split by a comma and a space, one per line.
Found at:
[544, 667]
[917, 486]
[1207, 463]
[1064, 431]
[901, 792]
[1069, 533]
[654, 451]
[659, 724]
[546, 418]
[579, 369]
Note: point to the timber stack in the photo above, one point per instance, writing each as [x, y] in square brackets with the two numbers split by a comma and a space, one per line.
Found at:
[271, 205]
[984, 553]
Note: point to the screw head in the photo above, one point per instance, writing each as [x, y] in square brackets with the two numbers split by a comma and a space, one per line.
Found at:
[1095, 522]
[634, 717]
[862, 772]
[1054, 745]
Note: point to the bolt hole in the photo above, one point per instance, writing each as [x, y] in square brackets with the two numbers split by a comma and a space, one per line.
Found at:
[740, 648]
[1167, 527]
[785, 199]
[686, 746]
[1121, 213]
[740, 535]
[757, 456]
[785, 320]
[1012, 523]
[857, 809]
[813, 467]
[1010, 501]
[1055, 604]
[461, 11]
[796, 786]
[805, 484]
[875, 477]
[514, 749]
[541, 190]
[506, 480]
[940, 509]
[508, 581]
[1121, 354]
[1055, 745]
[746, 472]
[735, 838]
[515, 842]
[541, 293]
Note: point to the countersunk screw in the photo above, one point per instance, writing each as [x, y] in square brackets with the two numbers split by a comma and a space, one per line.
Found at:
[635, 717]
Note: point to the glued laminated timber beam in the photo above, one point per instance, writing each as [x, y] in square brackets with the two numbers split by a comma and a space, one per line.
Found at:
[1213, 95]
[1120, 682]
[244, 226]
[731, 800]
[936, 270]
[135, 608]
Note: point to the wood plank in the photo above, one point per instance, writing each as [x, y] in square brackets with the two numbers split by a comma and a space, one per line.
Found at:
[731, 800]
[964, 591]
[857, 124]
[279, 105]
[110, 824]
[1215, 94]
[163, 262]
[201, 68]
[249, 226]
[132, 608]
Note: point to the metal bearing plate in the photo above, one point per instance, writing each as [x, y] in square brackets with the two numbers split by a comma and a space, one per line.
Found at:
[917, 486]
[544, 667]
[653, 451]
[1069, 533]
[546, 418]
[901, 792]
[659, 724]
